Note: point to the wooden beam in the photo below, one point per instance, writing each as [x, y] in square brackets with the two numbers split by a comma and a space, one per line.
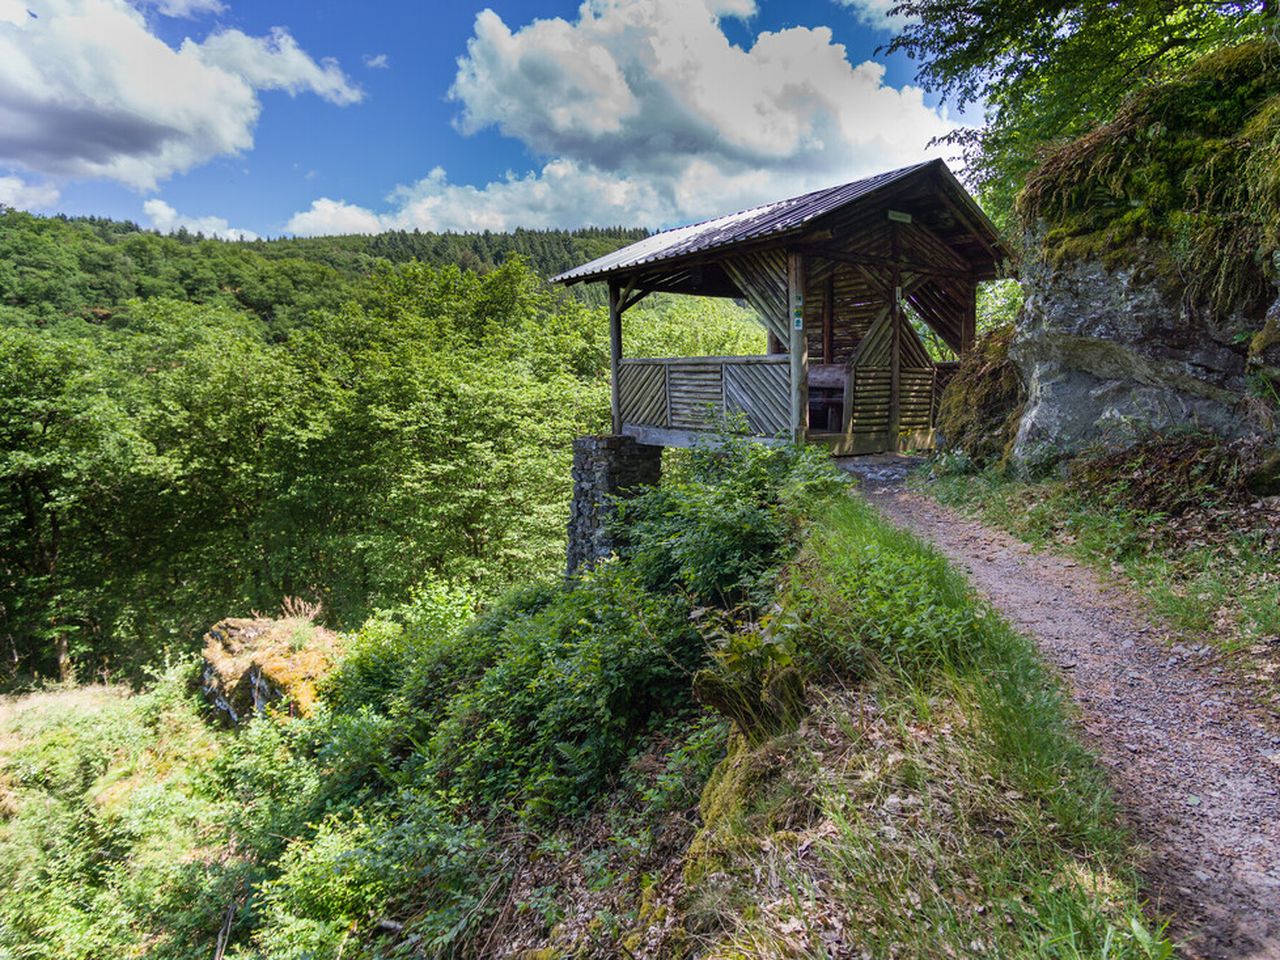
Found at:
[615, 353]
[895, 350]
[828, 320]
[635, 298]
[869, 259]
[969, 320]
[966, 221]
[799, 347]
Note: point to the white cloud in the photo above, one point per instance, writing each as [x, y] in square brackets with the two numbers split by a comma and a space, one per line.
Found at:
[17, 193]
[166, 219]
[377, 61]
[189, 9]
[276, 62]
[648, 114]
[333, 216]
[876, 13]
[87, 90]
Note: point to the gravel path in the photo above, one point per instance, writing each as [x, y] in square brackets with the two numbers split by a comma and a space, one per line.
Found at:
[1198, 776]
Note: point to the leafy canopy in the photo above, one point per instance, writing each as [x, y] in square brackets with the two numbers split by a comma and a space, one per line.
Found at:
[1049, 70]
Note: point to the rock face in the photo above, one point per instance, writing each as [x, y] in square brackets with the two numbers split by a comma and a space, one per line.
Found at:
[1109, 355]
[604, 468]
[252, 664]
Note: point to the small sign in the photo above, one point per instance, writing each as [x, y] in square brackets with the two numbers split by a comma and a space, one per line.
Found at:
[797, 316]
[897, 216]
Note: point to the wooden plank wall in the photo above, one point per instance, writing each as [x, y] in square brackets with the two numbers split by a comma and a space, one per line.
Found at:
[693, 394]
[696, 391]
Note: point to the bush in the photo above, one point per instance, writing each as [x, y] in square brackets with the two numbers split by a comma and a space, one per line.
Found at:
[719, 524]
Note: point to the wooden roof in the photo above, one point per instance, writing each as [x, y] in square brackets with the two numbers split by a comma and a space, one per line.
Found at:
[685, 259]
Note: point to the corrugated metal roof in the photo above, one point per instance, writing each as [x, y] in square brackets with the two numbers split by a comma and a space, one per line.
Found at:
[777, 217]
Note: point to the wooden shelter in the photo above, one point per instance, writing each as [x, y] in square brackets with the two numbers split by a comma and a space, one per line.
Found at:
[842, 279]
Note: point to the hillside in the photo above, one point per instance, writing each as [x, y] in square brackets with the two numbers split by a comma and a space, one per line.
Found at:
[192, 429]
[88, 267]
[775, 727]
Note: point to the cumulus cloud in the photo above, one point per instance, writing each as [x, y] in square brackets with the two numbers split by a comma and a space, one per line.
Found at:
[189, 9]
[377, 61]
[327, 217]
[646, 112]
[166, 219]
[276, 62]
[17, 193]
[876, 13]
[87, 90]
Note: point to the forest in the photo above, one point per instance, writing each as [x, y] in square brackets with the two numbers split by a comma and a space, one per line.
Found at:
[194, 429]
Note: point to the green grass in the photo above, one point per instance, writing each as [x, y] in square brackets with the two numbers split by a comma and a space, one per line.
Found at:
[941, 806]
[544, 778]
[1220, 589]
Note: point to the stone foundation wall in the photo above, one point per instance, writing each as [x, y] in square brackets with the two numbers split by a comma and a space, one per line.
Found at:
[604, 468]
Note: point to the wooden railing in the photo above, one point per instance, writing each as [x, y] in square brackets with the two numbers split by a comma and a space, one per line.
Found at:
[694, 394]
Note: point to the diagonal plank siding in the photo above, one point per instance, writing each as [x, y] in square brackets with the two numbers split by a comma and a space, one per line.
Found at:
[761, 393]
[643, 391]
[695, 393]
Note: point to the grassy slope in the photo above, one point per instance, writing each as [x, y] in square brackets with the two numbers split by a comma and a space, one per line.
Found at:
[940, 807]
[927, 799]
[1212, 577]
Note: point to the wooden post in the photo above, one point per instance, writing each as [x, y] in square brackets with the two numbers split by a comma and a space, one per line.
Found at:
[799, 347]
[895, 350]
[828, 320]
[615, 353]
[969, 322]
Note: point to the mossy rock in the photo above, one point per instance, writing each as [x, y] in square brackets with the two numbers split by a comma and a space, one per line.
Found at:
[981, 405]
[1185, 179]
[758, 710]
[251, 665]
[751, 796]
[1263, 478]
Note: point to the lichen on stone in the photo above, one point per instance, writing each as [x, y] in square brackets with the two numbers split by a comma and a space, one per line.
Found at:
[254, 664]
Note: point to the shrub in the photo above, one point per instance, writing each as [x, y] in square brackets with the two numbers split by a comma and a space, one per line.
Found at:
[554, 716]
[719, 525]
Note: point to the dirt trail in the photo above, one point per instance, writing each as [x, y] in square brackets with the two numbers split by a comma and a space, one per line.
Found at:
[1198, 776]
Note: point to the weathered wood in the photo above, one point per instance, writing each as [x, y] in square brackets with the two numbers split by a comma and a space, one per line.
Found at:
[643, 394]
[895, 355]
[759, 358]
[694, 393]
[684, 439]
[762, 277]
[874, 260]
[799, 347]
[615, 354]
[828, 376]
[760, 393]
[828, 320]
[969, 328]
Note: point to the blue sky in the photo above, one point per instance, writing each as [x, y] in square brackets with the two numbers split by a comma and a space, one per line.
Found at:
[322, 116]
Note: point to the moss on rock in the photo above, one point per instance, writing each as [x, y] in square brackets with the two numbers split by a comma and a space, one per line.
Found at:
[1185, 179]
[982, 404]
[251, 664]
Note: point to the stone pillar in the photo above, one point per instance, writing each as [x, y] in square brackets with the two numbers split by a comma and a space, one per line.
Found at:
[604, 468]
